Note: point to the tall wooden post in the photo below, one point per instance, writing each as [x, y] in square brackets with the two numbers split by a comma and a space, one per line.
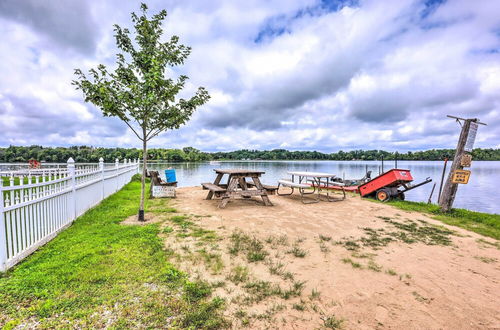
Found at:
[450, 189]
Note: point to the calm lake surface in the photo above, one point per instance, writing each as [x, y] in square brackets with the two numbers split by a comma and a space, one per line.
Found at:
[479, 194]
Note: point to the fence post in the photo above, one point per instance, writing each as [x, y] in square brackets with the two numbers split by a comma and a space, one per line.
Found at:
[117, 166]
[123, 182]
[138, 165]
[101, 168]
[72, 203]
[3, 234]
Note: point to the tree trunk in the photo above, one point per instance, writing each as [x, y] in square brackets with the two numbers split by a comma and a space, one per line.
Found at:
[143, 179]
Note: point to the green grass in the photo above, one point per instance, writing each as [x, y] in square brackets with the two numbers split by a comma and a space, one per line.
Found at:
[372, 265]
[391, 272]
[297, 252]
[315, 294]
[482, 223]
[99, 273]
[251, 246]
[486, 260]
[352, 263]
[239, 274]
[6, 180]
[408, 232]
[332, 322]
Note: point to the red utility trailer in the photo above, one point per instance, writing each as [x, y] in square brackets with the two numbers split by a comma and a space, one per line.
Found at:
[386, 185]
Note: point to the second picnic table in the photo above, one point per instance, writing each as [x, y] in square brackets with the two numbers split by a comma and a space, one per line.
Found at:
[237, 186]
[319, 181]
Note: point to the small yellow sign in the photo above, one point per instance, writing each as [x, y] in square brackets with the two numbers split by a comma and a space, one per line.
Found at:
[460, 176]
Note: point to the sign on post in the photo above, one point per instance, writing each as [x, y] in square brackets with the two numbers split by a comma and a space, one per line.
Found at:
[163, 191]
[471, 137]
[460, 176]
[466, 160]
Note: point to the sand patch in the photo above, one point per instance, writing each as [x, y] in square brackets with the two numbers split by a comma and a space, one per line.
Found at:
[296, 266]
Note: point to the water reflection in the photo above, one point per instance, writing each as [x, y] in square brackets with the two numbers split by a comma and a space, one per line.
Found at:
[479, 194]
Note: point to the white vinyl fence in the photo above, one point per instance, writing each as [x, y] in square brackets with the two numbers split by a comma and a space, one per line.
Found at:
[36, 205]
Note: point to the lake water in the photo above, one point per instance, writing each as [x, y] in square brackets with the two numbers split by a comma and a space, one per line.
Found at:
[479, 194]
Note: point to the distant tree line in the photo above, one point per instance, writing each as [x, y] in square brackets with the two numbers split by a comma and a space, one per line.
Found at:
[282, 154]
[86, 154]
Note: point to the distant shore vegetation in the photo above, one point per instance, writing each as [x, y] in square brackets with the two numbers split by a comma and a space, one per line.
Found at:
[84, 154]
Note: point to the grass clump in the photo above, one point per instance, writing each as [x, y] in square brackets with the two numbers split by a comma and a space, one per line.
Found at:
[487, 243]
[207, 315]
[195, 291]
[251, 246]
[372, 265]
[277, 268]
[260, 290]
[407, 232]
[98, 266]
[482, 223]
[213, 261]
[486, 260]
[332, 322]
[315, 294]
[239, 274]
[297, 252]
[325, 238]
[411, 232]
[421, 298]
[349, 244]
[181, 220]
[277, 240]
[295, 290]
[167, 230]
[391, 272]
[300, 306]
[204, 234]
[354, 264]
[375, 239]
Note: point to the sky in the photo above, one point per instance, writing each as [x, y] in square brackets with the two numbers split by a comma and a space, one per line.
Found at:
[298, 75]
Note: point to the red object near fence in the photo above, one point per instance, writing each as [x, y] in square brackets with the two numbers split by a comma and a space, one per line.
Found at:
[33, 163]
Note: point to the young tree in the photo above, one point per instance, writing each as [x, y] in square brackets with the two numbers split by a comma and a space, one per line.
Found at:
[138, 91]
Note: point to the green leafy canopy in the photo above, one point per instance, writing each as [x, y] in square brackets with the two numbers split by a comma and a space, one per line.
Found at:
[138, 91]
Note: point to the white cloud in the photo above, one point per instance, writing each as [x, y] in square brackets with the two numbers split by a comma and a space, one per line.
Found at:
[294, 74]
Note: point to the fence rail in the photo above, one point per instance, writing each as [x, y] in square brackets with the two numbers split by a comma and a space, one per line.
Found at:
[35, 205]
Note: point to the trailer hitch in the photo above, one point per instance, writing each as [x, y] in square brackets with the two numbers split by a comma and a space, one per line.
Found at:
[410, 187]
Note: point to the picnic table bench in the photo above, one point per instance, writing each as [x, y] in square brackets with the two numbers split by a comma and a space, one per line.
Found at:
[238, 186]
[271, 190]
[214, 189]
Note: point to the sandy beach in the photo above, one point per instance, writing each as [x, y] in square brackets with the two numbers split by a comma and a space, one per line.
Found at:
[355, 260]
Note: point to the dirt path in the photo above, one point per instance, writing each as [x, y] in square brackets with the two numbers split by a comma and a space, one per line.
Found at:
[356, 263]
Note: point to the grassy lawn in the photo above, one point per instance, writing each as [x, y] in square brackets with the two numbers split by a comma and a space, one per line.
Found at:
[482, 223]
[6, 180]
[99, 273]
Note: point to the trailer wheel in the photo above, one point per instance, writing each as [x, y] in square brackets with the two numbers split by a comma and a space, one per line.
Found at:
[383, 195]
[401, 196]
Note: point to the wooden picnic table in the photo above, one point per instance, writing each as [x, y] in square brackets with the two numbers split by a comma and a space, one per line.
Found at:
[237, 186]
